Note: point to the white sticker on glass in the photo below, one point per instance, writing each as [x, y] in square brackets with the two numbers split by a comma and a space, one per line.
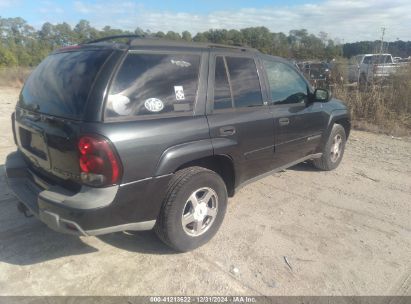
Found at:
[120, 104]
[181, 63]
[154, 105]
[179, 92]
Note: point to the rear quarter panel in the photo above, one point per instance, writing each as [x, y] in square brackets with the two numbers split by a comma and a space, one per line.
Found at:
[140, 144]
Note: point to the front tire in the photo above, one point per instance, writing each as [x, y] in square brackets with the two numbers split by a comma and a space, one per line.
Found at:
[333, 149]
[193, 209]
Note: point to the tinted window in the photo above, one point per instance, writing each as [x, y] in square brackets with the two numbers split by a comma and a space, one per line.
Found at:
[381, 59]
[367, 59]
[222, 94]
[355, 60]
[245, 83]
[61, 83]
[286, 85]
[154, 84]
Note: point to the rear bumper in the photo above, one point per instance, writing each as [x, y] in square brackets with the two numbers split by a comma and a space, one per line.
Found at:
[91, 211]
[380, 74]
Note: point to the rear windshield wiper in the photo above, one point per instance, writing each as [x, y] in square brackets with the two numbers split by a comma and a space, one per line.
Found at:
[33, 107]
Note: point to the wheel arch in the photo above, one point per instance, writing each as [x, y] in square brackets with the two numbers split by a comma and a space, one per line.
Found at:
[221, 164]
[341, 117]
[346, 123]
[198, 153]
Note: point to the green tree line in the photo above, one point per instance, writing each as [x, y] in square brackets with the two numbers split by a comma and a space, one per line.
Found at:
[23, 45]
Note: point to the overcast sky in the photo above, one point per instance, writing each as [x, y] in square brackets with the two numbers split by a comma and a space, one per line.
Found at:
[351, 20]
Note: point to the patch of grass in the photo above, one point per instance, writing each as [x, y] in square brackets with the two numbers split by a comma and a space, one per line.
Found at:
[14, 76]
[383, 107]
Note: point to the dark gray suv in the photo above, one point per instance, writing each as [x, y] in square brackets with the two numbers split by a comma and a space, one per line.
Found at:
[155, 134]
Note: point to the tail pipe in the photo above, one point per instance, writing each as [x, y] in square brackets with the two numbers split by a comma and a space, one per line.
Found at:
[23, 209]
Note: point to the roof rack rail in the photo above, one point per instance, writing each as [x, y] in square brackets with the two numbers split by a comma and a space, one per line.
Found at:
[130, 36]
[134, 40]
[231, 46]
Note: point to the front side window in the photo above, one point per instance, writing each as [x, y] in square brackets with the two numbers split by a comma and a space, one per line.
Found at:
[286, 85]
[149, 84]
[367, 60]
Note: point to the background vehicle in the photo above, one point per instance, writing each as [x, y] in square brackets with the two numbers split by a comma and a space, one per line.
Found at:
[370, 68]
[317, 73]
[157, 134]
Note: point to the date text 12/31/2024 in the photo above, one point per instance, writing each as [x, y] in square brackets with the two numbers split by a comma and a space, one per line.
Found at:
[203, 299]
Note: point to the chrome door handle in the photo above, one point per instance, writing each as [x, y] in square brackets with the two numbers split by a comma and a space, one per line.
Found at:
[284, 121]
[227, 131]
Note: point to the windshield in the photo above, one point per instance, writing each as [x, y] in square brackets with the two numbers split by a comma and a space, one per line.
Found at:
[60, 85]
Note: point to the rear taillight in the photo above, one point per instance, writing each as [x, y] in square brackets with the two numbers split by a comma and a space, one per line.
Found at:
[99, 164]
[70, 47]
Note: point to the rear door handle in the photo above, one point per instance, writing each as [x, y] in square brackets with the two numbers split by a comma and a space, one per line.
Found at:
[284, 121]
[227, 131]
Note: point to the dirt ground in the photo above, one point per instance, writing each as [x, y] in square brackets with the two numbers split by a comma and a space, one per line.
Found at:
[299, 232]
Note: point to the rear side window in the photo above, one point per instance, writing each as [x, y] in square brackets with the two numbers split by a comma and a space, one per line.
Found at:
[148, 84]
[61, 83]
[245, 83]
[222, 94]
[236, 83]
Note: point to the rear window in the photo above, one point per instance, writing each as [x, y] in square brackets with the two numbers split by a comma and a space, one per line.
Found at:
[60, 85]
[382, 59]
[149, 84]
[377, 59]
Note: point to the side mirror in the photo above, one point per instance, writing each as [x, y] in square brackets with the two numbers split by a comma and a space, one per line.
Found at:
[322, 95]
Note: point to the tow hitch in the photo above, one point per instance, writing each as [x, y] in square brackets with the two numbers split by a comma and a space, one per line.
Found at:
[23, 209]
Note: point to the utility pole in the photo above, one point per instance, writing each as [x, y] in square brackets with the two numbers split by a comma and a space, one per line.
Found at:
[382, 40]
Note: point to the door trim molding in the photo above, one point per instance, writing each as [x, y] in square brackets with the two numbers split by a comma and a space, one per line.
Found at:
[254, 179]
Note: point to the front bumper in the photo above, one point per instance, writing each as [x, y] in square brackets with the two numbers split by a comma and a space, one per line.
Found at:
[91, 211]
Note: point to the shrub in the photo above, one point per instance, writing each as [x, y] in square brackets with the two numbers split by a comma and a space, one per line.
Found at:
[13, 76]
[386, 104]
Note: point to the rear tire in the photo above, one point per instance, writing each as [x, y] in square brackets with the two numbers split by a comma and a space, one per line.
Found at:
[333, 150]
[193, 209]
[363, 82]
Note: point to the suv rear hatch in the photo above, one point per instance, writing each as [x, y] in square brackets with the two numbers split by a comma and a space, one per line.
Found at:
[50, 109]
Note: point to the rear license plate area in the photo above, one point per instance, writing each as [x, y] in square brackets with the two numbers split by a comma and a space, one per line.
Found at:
[33, 142]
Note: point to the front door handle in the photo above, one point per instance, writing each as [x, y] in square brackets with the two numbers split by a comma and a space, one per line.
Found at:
[284, 121]
[227, 131]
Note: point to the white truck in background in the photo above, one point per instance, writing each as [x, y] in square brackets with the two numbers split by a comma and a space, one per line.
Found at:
[369, 68]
